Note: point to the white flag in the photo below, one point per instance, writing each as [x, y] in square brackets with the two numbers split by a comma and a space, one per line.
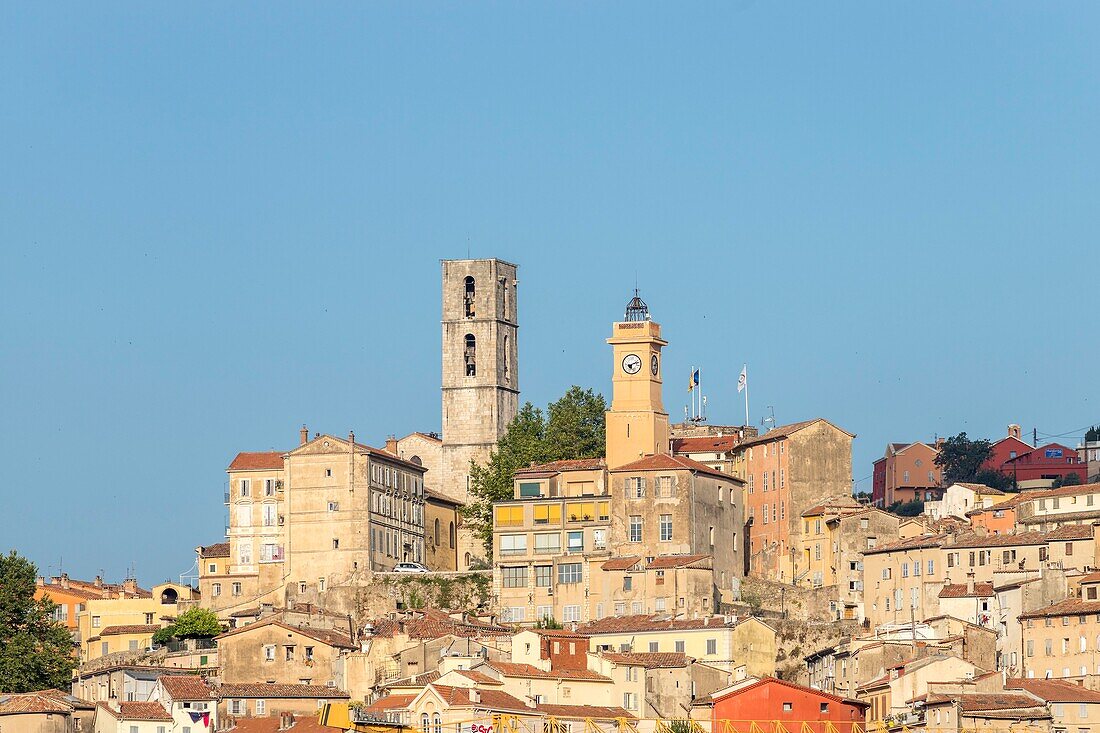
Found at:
[743, 380]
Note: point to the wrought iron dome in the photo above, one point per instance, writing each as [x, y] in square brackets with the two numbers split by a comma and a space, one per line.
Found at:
[636, 309]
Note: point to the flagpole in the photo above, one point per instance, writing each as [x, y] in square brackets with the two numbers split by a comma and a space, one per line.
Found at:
[746, 368]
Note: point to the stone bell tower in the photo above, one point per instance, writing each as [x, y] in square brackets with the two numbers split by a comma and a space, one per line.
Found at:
[480, 374]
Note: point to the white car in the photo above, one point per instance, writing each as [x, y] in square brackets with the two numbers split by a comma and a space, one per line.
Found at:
[409, 567]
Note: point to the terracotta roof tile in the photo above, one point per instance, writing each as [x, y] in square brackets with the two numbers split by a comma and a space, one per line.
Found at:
[649, 660]
[555, 467]
[998, 540]
[142, 711]
[478, 677]
[834, 504]
[459, 697]
[1055, 690]
[265, 461]
[974, 702]
[325, 636]
[43, 701]
[665, 462]
[390, 702]
[621, 563]
[129, 629]
[784, 431]
[667, 562]
[1071, 532]
[218, 549]
[581, 712]
[705, 444]
[643, 622]
[186, 687]
[912, 543]
[266, 690]
[959, 590]
[419, 680]
[517, 669]
[981, 489]
[1068, 607]
[1085, 516]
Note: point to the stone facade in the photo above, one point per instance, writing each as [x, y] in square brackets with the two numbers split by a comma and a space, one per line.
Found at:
[786, 471]
[480, 373]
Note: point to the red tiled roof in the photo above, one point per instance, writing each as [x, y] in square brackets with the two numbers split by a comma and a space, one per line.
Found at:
[142, 711]
[974, 702]
[621, 563]
[1090, 578]
[419, 680]
[186, 687]
[998, 540]
[265, 461]
[980, 489]
[266, 690]
[129, 629]
[1077, 490]
[959, 590]
[665, 462]
[1068, 607]
[479, 677]
[517, 669]
[749, 683]
[581, 712]
[218, 549]
[325, 636]
[912, 543]
[390, 702]
[667, 562]
[1054, 690]
[784, 431]
[43, 701]
[554, 467]
[644, 622]
[649, 660]
[459, 697]
[1071, 532]
[705, 444]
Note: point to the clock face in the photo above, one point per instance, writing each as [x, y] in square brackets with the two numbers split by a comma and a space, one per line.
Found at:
[653, 364]
[632, 363]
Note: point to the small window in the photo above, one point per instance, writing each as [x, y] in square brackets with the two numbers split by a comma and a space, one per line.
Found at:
[328, 472]
[788, 707]
[824, 707]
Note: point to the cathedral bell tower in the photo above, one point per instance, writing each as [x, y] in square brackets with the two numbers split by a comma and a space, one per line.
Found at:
[637, 424]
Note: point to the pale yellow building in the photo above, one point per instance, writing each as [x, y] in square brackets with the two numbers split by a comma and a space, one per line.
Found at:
[110, 625]
[1062, 640]
[715, 641]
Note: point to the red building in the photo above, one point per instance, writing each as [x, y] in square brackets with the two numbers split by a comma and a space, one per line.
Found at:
[1033, 467]
[766, 700]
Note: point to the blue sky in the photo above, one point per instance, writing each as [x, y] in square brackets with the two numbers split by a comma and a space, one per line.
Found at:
[221, 221]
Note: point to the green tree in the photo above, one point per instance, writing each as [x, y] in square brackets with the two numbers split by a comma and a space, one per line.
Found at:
[520, 446]
[575, 426]
[912, 508]
[961, 458]
[36, 652]
[993, 479]
[1070, 479]
[572, 427]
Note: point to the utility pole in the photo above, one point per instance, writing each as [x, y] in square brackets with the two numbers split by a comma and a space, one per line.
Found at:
[1035, 437]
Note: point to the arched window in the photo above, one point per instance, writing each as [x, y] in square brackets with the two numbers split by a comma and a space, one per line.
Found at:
[470, 355]
[437, 532]
[416, 460]
[424, 723]
[169, 596]
[469, 558]
[438, 721]
[468, 297]
[451, 535]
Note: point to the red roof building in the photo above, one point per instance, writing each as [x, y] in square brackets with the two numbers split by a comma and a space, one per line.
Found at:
[1032, 467]
[768, 701]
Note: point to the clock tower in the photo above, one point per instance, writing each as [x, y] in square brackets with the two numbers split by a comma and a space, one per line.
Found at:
[637, 424]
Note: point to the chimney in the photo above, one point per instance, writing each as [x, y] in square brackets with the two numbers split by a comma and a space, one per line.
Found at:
[98, 582]
[391, 445]
[970, 583]
[40, 581]
[946, 580]
[130, 585]
[1014, 431]
[351, 437]
[475, 696]
[286, 720]
[303, 435]
[64, 579]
